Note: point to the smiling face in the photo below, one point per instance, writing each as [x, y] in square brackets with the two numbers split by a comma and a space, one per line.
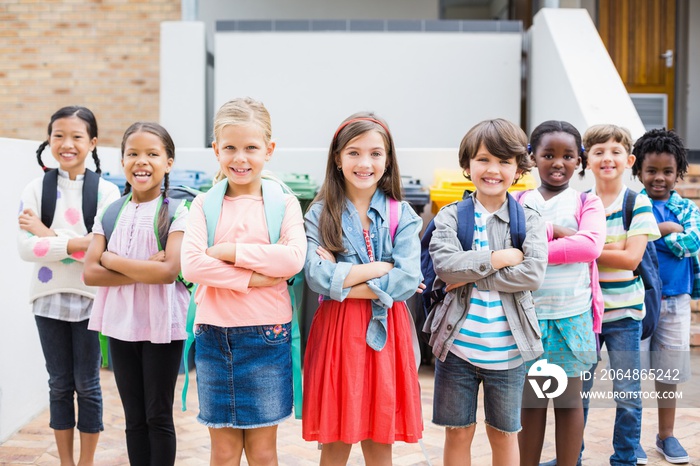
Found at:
[363, 162]
[242, 152]
[492, 176]
[608, 161]
[556, 157]
[70, 144]
[145, 161]
[659, 175]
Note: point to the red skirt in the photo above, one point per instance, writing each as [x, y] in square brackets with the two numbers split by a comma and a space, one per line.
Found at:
[353, 393]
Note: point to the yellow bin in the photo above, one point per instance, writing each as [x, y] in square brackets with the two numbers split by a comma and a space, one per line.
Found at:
[450, 185]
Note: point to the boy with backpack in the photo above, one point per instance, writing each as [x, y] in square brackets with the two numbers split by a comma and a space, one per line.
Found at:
[660, 162]
[608, 148]
[485, 327]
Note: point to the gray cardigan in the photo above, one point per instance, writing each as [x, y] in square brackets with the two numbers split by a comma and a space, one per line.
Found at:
[453, 265]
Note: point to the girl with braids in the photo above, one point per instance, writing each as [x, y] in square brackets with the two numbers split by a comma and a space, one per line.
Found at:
[360, 372]
[569, 316]
[140, 306]
[61, 301]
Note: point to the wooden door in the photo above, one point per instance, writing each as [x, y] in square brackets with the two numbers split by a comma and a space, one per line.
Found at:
[640, 37]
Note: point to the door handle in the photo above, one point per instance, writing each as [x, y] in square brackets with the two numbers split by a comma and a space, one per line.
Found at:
[668, 55]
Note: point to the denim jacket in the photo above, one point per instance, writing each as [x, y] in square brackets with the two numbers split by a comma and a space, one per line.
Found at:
[687, 243]
[453, 265]
[326, 277]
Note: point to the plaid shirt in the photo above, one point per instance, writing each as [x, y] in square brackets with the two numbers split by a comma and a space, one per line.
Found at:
[686, 244]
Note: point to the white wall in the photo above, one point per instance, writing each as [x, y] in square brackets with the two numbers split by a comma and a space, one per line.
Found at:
[212, 10]
[571, 75]
[430, 87]
[693, 140]
[183, 82]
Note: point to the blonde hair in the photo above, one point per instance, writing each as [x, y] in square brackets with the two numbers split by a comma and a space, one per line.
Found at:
[242, 111]
[599, 134]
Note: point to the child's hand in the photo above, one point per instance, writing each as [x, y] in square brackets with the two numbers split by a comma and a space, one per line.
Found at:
[421, 287]
[158, 257]
[29, 221]
[666, 228]
[107, 258]
[559, 231]
[506, 258]
[617, 246]
[325, 255]
[258, 280]
[454, 286]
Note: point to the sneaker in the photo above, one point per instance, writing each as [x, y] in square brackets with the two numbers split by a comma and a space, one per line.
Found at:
[640, 454]
[672, 450]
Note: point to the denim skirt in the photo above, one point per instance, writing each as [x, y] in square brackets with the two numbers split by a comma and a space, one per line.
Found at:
[244, 375]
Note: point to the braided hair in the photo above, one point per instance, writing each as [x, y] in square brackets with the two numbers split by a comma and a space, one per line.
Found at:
[90, 122]
[162, 134]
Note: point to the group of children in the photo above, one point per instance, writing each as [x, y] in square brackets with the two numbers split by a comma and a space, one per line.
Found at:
[506, 305]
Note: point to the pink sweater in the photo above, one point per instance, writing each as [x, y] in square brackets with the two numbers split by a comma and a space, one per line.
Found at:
[223, 297]
[584, 246]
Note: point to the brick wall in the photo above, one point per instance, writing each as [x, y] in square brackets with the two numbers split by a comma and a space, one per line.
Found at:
[690, 188]
[102, 54]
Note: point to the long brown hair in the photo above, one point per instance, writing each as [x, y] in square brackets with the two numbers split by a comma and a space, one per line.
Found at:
[332, 192]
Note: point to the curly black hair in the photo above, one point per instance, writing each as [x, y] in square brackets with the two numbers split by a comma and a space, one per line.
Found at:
[658, 141]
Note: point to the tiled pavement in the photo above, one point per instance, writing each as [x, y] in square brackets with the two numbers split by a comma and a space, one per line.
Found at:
[33, 444]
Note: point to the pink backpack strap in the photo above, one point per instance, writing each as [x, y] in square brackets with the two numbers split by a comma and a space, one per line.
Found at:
[393, 217]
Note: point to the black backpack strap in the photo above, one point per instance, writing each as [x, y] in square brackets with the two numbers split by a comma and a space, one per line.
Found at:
[48, 196]
[91, 184]
[518, 226]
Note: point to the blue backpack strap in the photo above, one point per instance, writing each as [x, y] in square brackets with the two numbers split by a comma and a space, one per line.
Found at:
[518, 227]
[275, 208]
[465, 223]
[212, 210]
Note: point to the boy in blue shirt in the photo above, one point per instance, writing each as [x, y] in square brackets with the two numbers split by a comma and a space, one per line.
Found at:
[660, 162]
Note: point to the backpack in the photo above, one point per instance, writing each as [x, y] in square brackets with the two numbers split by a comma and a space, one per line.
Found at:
[49, 193]
[465, 234]
[274, 205]
[648, 270]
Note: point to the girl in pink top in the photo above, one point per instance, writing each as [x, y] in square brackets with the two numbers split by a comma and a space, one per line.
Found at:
[242, 327]
[569, 302]
[139, 304]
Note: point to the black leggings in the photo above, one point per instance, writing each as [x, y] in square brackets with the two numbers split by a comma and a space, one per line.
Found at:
[146, 374]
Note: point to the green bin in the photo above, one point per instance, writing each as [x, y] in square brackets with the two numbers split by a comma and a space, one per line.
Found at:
[306, 301]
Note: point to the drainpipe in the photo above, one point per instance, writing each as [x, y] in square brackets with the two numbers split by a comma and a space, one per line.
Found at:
[189, 10]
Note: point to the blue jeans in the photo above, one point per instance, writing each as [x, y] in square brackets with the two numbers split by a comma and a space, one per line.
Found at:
[457, 388]
[621, 339]
[72, 354]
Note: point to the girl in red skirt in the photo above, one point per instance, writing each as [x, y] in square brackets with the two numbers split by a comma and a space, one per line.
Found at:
[360, 372]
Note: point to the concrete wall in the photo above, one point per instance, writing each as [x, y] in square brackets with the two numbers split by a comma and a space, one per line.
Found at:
[571, 75]
[431, 87]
